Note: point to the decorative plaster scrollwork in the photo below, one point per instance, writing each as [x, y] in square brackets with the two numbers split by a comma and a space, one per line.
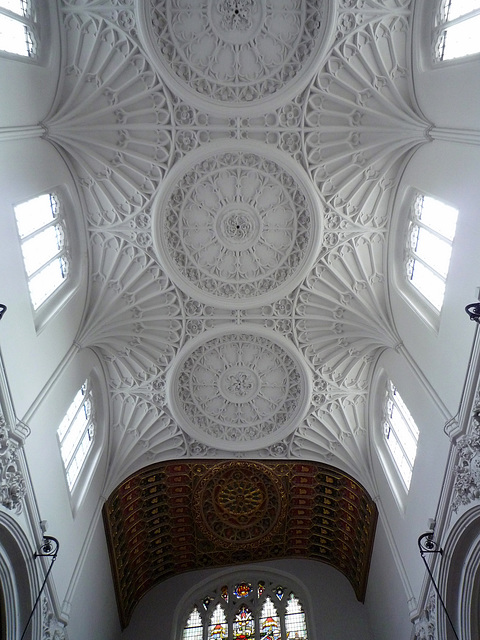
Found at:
[51, 628]
[238, 389]
[12, 482]
[236, 227]
[425, 626]
[235, 53]
[467, 478]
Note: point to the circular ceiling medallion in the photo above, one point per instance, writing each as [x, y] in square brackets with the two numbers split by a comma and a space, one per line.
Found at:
[239, 502]
[237, 227]
[233, 54]
[239, 388]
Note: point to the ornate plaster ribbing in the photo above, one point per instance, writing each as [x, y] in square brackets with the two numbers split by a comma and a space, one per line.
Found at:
[466, 488]
[239, 388]
[236, 227]
[236, 54]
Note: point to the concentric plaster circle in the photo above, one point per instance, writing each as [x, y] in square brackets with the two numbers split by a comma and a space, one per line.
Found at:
[239, 227]
[239, 388]
[239, 502]
[236, 54]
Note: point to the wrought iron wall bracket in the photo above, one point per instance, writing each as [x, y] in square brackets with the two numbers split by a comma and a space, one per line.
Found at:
[473, 311]
[427, 544]
[49, 549]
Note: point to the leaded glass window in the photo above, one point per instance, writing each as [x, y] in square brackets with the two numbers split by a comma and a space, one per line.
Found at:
[243, 610]
[18, 28]
[400, 433]
[76, 433]
[41, 228]
[431, 234]
[457, 29]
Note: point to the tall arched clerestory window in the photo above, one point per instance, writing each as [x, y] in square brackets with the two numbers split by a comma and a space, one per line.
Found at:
[242, 610]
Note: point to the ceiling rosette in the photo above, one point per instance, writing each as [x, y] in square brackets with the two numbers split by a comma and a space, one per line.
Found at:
[236, 54]
[239, 388]
[237, 226]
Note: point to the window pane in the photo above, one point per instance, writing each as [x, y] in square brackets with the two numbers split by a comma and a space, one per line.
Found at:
[15, 6]
[404, 436]
[269, 621]
[457, 8]
[78, 459]
[71, 413]
[218, 628]
[433, 250]
[46, 281]
[76, 433]
[42, 247]
[193, 629]
[462, 39]
[295, 620]
[35, 214]
[14, 36]
[243, 624]
[439, 216]
[429, 284]
[401, 434]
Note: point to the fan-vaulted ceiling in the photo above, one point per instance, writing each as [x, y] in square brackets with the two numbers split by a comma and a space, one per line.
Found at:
[237, 161]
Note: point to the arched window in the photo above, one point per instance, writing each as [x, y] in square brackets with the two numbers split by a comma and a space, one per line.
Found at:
[41, 228]
[457, 29]
[76, 433]
[430, 238]
[243, 610]
[400, 433]
[18, 28]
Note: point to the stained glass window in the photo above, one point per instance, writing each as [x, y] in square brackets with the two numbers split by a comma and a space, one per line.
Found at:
[42, 236]
[239, 611]
[218, 627]
[269, 622]
[243, 624]
[76, 432]
[243, 589]
[457, 29]
[18, 27]
[432, 230]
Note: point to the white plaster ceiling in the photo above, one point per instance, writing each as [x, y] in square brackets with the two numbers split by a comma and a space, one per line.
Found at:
[237, 161]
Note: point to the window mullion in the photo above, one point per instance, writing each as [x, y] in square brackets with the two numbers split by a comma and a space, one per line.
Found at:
[427, 266]
[419, 223]
[463, 18]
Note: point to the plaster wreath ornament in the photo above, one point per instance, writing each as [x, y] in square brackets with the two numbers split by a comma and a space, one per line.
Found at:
[236, 227]
[238, 388]
[232, 54]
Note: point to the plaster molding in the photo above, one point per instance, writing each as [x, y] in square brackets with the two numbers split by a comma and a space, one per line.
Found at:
[466, 487]
[238, 388]
[52, 629]
[224, 56]
[425, 625]
[237, 228]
